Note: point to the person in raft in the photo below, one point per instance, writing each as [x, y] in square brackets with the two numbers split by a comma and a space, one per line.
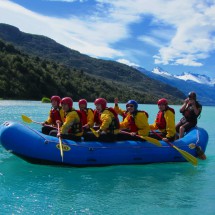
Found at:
[72, 126]
[134, 124]
[87, 115]
[107, 123]
[122, 113]
[165, 121]
[56, 113]
[191, 110]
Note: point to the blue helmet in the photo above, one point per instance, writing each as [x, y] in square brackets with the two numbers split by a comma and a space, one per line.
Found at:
[133, 102]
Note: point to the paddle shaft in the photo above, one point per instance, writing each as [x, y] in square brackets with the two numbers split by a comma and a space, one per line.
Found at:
[158, 135]
[149, 139]
[29, 120]
[60, 141]
[136, 135]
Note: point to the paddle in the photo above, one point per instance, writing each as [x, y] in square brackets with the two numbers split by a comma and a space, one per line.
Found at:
[185, 154]
[149, 139]
[60, 141]
[94, 132]
[29, 120]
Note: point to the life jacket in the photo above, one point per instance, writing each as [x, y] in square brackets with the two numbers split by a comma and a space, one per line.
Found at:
[131, 120]
[160, 120]
[115, 122]
[97, 119]
[76, 127]
[84, 114]
[55, 115]
[124, 114]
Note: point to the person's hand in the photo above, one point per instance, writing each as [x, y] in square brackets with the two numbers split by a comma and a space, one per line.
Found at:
[58, 122]
[86, 126]
[98, 132]
[116, 101]
[191, 101]
[58, 134]
[165, 139]
[133, 133]
[186, 100]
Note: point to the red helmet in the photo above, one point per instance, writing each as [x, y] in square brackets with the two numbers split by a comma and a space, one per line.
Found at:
[67, 100]
[102, 102]
[56, 98]
[82, 102]
[162, 101]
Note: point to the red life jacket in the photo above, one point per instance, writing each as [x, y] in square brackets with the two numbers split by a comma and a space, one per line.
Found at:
[84, 114]
[131, 120]
[55, 115]
[160, 120]
[116, 123]
[97, 119]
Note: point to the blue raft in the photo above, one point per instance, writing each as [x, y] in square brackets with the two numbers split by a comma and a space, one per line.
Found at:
[35, 147]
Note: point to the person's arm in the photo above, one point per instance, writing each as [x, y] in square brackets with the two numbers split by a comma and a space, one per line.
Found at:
[186, 101]
[90, 118]
[106, 121]
[196, 110]
[70, 119]
[153, 126]
[170, 124]
[124, 124]
[142, 124]
[49, 120]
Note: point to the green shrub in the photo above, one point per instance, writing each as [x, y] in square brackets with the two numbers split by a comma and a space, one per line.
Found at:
[46, 100]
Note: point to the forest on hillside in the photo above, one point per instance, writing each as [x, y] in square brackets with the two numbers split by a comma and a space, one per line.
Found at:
[28, 77]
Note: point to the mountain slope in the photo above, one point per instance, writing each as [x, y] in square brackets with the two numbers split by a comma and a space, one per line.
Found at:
[109, 71]
[27, 77]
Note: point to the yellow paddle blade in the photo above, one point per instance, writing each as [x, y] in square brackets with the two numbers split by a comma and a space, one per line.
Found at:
[94, 132]
[26, 119]
[187, 156]
[151, 140]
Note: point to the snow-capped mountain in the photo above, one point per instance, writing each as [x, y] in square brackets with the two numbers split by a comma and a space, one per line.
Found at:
[186, 82]
[201, 79]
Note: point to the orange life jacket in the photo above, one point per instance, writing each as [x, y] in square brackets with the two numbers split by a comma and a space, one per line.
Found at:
[160, 120]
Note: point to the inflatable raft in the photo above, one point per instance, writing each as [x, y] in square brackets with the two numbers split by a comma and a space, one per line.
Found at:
[35, 147]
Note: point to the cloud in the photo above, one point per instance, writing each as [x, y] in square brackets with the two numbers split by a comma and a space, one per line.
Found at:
[180, 32]
[127, 62]
[151, 41]
[68, 1]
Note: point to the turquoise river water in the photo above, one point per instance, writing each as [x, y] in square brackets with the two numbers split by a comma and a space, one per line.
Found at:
[166, 188]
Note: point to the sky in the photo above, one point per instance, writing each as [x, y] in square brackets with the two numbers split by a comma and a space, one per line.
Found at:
[178, 36]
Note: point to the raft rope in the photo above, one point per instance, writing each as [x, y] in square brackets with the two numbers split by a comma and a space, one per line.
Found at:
[46, 141]
[37, 132]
